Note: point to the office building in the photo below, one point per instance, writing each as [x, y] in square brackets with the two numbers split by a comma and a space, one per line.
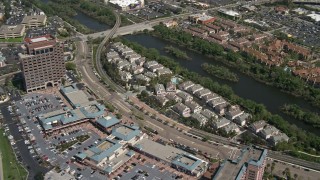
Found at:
[34, 21]
[15, 31]
[42, 62]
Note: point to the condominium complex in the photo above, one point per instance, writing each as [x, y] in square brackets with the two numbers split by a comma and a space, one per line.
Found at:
[42, 62]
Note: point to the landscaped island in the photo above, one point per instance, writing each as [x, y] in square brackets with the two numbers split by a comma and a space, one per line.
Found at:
[219, 72]
[177, 52]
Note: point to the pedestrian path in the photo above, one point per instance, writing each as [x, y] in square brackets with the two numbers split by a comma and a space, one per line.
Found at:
[1, 168]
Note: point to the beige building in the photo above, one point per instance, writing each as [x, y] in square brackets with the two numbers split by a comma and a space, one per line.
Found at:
[34, 21]
[7, 31]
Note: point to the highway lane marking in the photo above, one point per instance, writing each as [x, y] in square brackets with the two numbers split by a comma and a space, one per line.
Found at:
[178, 137]
[85, 71]
[161, 129]
[121, 105]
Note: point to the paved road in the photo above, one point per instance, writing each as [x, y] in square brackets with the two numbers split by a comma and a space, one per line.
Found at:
[292, 160]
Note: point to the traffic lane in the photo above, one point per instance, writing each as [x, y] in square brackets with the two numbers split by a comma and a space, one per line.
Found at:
[301, 172]
[93, 82]
[28, 161]
[286, 158]
[177, 136]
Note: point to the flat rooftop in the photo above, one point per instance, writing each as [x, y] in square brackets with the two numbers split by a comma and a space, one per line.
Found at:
[154, 173]
[4, 29]
[166, 153]
[36, 18]
[77, 97]
[108, 121]
[231, 168]
[125, 132]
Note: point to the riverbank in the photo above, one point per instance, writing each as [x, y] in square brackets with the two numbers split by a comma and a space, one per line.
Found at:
[220, 72]
[258, 111]
[274, 76]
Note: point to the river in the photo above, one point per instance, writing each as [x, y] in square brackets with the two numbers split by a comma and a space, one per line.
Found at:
[88, 21]
[246, 87]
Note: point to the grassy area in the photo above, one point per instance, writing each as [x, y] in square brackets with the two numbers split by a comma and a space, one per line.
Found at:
[82, 138]
[11, 167]
[12, 40]
[94, 52]
[65, 146]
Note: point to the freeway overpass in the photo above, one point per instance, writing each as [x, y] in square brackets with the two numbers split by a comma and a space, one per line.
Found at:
[121, 31]
[131, 28]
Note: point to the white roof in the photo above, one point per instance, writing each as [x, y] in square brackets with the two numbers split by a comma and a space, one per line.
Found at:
[229, 12]
[39, 39]
[124, 3]
[316, 17]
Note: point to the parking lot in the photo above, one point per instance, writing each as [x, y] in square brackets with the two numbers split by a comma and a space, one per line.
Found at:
[147, 172]
[40, 152]
[307, 32]
[12, 123]
[71, 77]
[34, 32]
[35, 104]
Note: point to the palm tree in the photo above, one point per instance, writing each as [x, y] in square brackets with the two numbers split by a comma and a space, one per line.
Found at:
[268, 165]
[272, 167]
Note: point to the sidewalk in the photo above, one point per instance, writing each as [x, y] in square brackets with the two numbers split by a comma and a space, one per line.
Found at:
[1, 168]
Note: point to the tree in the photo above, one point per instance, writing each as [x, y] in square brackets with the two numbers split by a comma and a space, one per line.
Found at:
[268, 165]
[272, 167]
[39, 176]
[71, 66]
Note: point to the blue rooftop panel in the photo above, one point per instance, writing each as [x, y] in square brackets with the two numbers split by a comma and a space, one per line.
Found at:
[68, 89]
[128, 136]
[241, 172]
[260, 160]
[100, 155]
[81, 155]
[108, 121]
[191, 167]
[130, 153]
[89, 114]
